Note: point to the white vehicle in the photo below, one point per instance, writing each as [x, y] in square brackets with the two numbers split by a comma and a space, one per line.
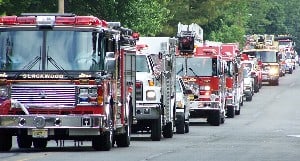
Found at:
[250, 65]
[155, 87]
[248, 85]
[290, 63]
[182, 106]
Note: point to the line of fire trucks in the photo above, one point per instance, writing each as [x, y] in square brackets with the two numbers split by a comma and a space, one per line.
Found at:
[68, 77]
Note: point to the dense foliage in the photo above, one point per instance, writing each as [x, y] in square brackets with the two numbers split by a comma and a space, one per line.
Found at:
[222, 20]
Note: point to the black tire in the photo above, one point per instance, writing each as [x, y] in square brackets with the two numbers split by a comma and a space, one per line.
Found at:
[249, 98]
[238, 112]
[40, 143]
[260, 85]
[24, 141]
[186, 127]
[215, 118]
[256, 85]
[103, 142]
[123, 140]
[256, 88]
[242, 101]
[180, 126]
[156, 130]
[168, 130]
[290, 71]
[5, 141]
[230, 112]
[222, 119]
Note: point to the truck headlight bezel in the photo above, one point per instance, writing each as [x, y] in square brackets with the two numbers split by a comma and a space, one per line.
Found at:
[3, 91]
[150, 95]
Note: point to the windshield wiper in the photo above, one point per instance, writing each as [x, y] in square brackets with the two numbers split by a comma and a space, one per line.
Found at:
[181, 70]
[30, 65]
[193, 72]
[57, 66]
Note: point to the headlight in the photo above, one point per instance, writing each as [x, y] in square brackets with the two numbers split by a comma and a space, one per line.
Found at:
[83, 91]
[89, 95]
[3, 91]
[273, 71]
[207, 88]
[93, 91]
[150, 95]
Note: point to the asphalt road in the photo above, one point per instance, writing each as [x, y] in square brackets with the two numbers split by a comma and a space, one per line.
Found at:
[268, 129]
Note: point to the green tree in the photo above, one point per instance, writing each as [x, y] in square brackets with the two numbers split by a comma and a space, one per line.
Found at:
[231, 25]
[144, 16]
[258, 21]
[276, 16]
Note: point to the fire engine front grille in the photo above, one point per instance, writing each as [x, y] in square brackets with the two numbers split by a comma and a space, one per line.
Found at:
[44, 95]
[139, 90]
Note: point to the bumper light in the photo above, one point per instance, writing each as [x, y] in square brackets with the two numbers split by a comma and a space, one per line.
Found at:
[213, 97]
[179, 104]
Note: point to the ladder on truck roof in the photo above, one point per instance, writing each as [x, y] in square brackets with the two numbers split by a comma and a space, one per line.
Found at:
[192, 30]
[168, 78]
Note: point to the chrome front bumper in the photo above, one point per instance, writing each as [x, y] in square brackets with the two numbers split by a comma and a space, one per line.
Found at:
[147, 111]
[76, 124]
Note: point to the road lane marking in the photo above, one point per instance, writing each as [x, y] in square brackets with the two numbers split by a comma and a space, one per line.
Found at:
[292, 84]
[296, 136]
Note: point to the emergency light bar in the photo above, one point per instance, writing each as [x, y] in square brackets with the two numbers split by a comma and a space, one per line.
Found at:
[209, 51]
[227, 54]
[52, 19]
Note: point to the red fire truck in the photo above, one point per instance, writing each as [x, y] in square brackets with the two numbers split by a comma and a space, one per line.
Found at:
[263, 49]
[202, 70]
[234, 79]
[203, 73]
[65, 77]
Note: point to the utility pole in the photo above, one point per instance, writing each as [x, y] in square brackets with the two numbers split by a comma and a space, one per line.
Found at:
[61, 6]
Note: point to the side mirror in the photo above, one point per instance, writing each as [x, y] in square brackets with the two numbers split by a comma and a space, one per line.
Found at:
[160, 55]
[110, 62]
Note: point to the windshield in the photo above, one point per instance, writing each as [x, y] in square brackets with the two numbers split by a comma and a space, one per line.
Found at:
[247, 66]
[195, 66]
[229, 69]
[41, 50]
[267, 56]
[142, 64]
[246, 73]
[285, 43]
[288, 55]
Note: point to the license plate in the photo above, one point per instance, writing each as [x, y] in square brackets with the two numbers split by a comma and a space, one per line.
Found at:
[39, 133]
